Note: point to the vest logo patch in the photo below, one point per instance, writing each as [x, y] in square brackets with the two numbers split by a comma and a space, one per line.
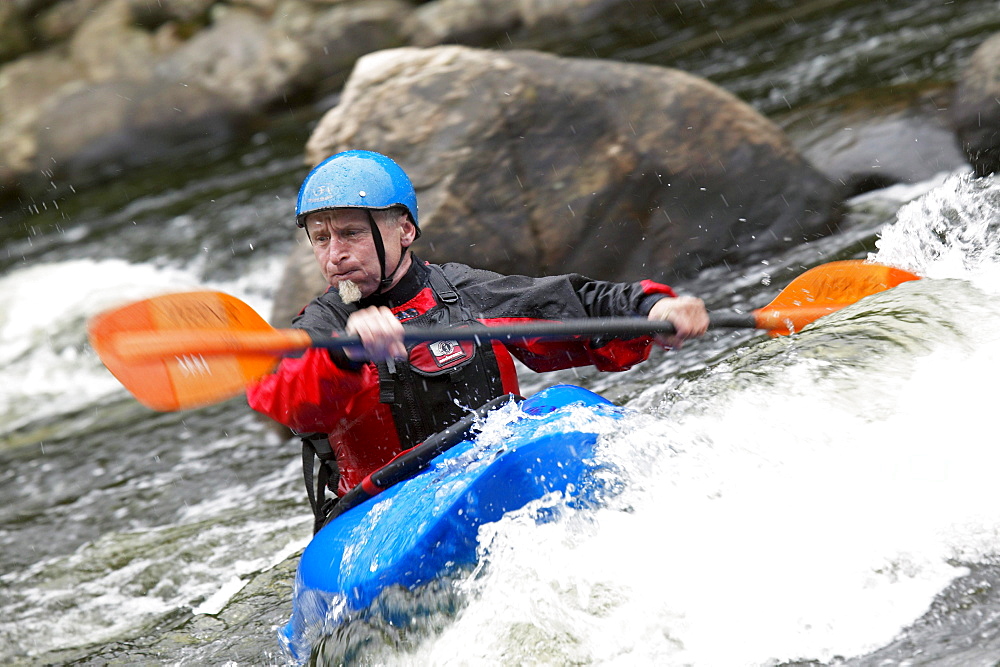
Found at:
[446, 351]
[443, 356]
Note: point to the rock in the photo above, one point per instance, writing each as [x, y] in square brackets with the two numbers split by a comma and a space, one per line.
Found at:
[33, 7]
[251, 57]
[15, 38]
[865, 148]
[231, 57]
[268, 6]
[591, 15]
[59, 22]
[101, 129]
[332, 38]
[153, 13]
[976, 108]
[109, 47]
[529, 163]
[475, 22]
[258, 64]
[24, 86]
[536, 24]
[300, 282]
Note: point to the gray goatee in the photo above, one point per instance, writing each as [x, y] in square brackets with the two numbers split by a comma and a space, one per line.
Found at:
[349, 291]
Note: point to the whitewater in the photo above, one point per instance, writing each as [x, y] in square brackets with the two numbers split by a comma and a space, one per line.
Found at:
[820, 497]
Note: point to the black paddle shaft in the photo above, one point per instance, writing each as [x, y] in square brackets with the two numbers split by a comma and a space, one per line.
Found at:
[617, 327]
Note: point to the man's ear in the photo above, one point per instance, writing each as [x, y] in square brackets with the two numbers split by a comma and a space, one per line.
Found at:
[407, 231]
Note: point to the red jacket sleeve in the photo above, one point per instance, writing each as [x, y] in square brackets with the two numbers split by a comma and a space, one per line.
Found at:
[543, 355]
[310, 393]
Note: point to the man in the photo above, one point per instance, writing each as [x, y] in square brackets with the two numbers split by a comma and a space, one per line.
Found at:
[359, 211]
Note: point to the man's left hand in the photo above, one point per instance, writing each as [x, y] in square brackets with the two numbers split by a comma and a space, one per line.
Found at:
[686, 313]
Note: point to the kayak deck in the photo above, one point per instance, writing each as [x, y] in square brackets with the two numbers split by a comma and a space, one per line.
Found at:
[428, 525]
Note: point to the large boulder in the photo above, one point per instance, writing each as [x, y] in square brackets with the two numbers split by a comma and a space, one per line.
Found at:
[532, 163]
[535, 164]
[976, 108]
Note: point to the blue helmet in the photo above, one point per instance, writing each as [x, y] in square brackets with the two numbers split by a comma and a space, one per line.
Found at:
[356, 179]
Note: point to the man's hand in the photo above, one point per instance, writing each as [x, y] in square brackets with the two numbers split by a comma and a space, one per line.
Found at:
[686, 313]
[379, 331]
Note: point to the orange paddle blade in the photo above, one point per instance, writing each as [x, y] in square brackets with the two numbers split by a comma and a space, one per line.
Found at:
[178, 351]
[826, 289]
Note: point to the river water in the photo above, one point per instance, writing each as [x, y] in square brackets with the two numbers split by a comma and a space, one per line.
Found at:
[825, 498]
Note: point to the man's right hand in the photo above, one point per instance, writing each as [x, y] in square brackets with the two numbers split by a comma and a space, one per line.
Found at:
[380, 333]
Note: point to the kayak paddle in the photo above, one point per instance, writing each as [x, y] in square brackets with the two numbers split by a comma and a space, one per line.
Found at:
[186, 350]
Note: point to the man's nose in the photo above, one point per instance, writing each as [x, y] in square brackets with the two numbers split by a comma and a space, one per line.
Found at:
[336, 251]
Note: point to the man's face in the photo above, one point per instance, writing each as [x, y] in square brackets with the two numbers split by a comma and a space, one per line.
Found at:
[345, 250]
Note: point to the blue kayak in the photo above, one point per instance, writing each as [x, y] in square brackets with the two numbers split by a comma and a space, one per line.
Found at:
[427, 526]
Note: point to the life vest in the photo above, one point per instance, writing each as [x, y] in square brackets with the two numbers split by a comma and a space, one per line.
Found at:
[441, 380]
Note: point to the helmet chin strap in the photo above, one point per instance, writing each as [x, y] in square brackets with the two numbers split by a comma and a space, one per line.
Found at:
[385, 281]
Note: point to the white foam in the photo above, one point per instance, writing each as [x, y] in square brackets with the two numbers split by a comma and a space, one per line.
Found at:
[813, 517]
[43, 314]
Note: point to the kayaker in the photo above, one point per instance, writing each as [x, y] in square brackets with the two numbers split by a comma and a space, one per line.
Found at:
[359, 212]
